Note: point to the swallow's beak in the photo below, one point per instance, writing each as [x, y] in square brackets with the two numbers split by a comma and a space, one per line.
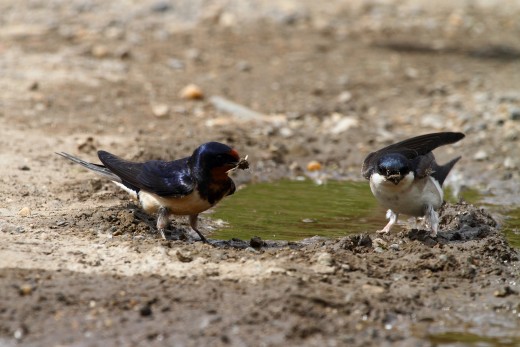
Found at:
[395, 179]
[241, 164]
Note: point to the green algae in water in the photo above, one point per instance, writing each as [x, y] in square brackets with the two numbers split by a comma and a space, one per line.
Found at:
[294, 210]
[511, 227]
[468, 339]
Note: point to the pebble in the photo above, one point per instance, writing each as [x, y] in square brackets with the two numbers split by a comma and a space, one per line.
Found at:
[25, 212]
[481, 155]
[191, 92]
[394, 247]
[344, 97]
[372, 289]
[378, 250]
[514, 114]
[503, 292]
[433, 121]
[509, 163]
[184, 257]
[161, 6]
[243, 66]
[314, 165]
[34, 85]
[99, 51]
[324, 259]
[379, 242]
[175, 64]
[25, 289]
[160, 110]
[344, 124]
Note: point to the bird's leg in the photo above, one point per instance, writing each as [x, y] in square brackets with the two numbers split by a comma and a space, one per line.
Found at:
[432, 218]
[392, 217]
[193, 224]
[163, 219]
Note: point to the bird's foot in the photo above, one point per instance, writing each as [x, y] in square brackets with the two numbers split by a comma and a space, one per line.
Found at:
[163, 235]
[193, 224]
[432, 219]
[392, 217]
[163, 220]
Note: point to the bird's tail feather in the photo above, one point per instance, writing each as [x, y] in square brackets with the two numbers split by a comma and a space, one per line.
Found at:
[442, 171]
[99, 169]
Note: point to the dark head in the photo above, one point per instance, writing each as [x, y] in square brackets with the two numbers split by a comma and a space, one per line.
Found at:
[214, 159]
[393, 166]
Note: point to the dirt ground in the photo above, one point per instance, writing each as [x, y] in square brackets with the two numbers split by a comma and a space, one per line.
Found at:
[328, 81]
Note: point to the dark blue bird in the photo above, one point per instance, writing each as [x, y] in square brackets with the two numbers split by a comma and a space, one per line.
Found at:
[405, 178]
[186, 186]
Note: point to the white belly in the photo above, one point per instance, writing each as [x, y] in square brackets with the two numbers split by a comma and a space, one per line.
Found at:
[187, 205]
[405, 197]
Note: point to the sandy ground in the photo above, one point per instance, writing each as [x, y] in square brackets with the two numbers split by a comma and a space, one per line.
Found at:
[81, 266]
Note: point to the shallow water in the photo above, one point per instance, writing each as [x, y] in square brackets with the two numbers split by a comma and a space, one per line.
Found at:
[469, 339]
[294, 210]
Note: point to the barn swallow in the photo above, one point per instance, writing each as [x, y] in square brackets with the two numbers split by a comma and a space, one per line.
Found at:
[186, 186]
[405, 178]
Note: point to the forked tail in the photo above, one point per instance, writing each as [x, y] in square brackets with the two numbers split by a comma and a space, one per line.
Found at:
[441, 171]
[99, 169]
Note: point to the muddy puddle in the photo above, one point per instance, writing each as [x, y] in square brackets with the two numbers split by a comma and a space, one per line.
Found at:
[293, 210]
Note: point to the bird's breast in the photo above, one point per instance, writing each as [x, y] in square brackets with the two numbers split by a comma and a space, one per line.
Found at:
[410, 196]
[187, 205]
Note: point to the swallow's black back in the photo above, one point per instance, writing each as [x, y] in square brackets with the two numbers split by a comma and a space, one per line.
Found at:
[418, 151]
[167, 179]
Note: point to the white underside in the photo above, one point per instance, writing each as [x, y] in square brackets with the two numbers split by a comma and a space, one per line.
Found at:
[405, 197]
[188, 205]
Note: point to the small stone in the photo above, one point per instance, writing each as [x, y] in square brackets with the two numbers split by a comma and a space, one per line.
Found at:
[344, 97]
[160, 110]
[344, 124]
[324, 259]
[506, 291]
[314, 165]
[371, 289]
[145, 311]
[24, 168]
[379, 242]
[34, 86]
[434, 121]
[378, 249]
[411, 73]
[509, 163]
[191, 92]
[175, 64]
[184, 257]
[25, 212]
[394, 247]
[514, 114]
[99, 51]
[161, 6]
[243, 66]
[256, 242]
[25, 289]
[480, 155]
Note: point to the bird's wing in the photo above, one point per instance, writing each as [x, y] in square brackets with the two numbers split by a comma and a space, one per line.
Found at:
[168, 179]
[413, 149]
[421, 145]
[369, 165]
